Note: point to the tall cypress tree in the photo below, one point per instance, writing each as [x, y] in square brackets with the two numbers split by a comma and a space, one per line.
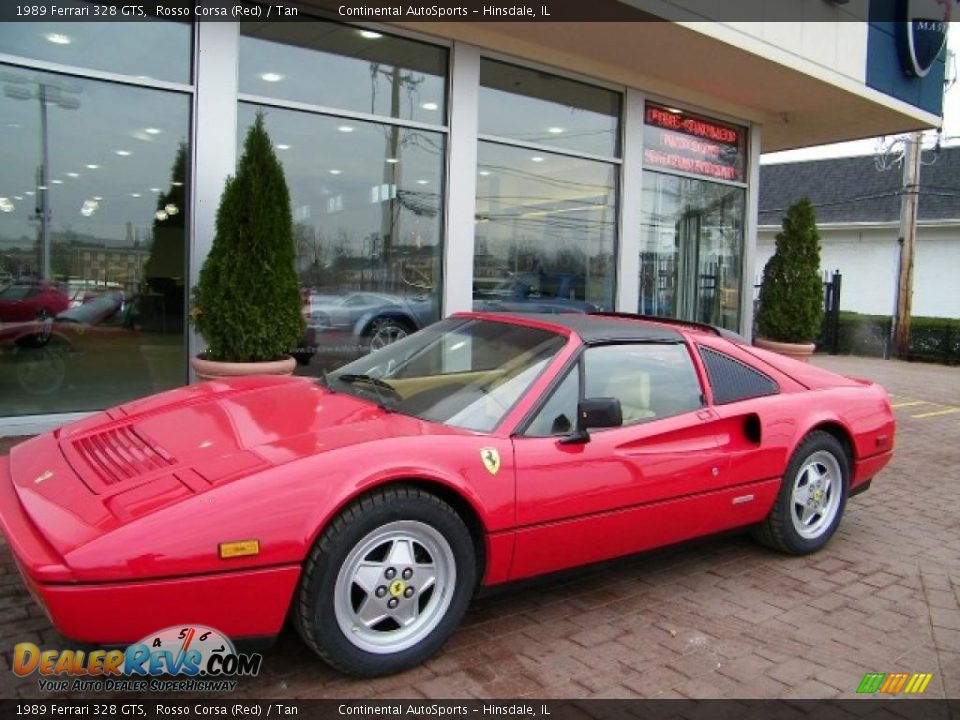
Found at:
[247, 303]
[791, 294]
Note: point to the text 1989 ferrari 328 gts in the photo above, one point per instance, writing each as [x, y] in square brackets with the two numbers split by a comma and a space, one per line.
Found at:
[369, 505]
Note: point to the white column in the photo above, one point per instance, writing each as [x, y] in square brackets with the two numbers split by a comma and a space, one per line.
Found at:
[461, 179]
[215, 138]
[628, 246]
[750, 231]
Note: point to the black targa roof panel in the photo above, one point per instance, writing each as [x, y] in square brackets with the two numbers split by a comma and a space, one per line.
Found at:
[594, 329]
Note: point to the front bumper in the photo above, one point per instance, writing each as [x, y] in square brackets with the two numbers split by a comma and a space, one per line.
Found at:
[251, 603]
[247, 603]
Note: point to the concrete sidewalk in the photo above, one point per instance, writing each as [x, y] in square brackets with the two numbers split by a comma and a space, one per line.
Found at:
[719, 618]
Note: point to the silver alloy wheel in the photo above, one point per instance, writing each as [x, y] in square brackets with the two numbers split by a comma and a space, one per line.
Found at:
[816, 495]
[45, 319]
[386, 333]
[394, 587]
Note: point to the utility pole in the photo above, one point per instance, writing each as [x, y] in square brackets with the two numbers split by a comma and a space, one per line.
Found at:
[909, 200]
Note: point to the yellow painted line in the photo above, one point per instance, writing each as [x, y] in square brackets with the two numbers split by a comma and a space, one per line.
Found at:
[909, 404]
[926, 682]
[948, 411]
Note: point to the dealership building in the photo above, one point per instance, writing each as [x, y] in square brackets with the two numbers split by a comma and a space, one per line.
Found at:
[433, 167]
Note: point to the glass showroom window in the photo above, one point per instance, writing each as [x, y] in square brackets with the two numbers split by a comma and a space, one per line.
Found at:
[143, 50]
[546, 192]
[366, 190]
[93, 193]
[691, 244]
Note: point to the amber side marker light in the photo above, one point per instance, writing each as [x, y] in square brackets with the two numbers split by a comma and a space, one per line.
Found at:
[241, 548]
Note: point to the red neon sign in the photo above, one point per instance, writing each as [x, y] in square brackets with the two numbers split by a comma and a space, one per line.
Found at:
[688, 143]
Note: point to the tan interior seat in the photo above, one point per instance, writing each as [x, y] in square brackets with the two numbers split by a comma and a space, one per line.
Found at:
[632, 389]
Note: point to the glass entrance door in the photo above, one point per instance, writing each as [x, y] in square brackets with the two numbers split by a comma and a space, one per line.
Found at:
[691, 249]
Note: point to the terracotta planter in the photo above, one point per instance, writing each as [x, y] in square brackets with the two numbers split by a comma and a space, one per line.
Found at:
[797, 351]
[214, 369]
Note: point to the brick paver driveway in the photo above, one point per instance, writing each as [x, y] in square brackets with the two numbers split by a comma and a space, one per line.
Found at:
[718, 618]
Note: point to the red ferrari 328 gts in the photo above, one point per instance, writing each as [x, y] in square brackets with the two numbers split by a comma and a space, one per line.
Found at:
[370, 504]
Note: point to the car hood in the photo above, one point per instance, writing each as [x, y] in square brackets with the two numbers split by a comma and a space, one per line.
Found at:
[106, 471]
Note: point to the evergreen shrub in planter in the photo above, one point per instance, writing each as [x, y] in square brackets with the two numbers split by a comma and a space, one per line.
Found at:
[791, 292]
[247, 304]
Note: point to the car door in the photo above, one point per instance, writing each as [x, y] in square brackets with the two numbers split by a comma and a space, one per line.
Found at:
[752, 426]
[629, 487]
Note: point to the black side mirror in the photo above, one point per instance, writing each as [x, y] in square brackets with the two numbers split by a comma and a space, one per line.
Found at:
[600, 412]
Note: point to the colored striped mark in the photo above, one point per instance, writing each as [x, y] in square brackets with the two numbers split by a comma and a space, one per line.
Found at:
[871, 683]
[918, 683]
[894, 683]
[935, 413]
[909, 404]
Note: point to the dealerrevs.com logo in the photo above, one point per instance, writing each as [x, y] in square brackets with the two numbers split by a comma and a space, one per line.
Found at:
[205, 658]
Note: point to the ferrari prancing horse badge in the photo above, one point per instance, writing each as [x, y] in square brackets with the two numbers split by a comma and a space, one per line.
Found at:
[491, 459]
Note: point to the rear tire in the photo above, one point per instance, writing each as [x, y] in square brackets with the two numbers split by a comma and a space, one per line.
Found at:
[812, 497]
[386, 583]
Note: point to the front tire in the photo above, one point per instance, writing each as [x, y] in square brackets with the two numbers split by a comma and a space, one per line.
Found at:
[43, 322]
[386, 583]
[385, 331]
[812, 497]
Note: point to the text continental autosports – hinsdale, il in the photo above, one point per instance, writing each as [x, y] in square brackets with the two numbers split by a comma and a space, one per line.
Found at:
[435, 709]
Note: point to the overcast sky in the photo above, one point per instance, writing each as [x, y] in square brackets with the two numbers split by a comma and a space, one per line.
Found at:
[951, 121]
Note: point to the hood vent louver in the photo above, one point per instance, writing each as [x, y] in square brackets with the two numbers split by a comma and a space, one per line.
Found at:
[121, 453]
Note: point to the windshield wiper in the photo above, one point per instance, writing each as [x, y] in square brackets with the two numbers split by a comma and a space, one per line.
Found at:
[376, 384]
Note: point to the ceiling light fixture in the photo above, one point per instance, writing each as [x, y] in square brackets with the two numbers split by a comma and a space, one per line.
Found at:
[271, 77]
[345, 128]
[429, 106]
[554, 130]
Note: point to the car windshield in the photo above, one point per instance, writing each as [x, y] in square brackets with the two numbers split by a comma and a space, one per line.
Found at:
[462, 372]
[16, 292]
